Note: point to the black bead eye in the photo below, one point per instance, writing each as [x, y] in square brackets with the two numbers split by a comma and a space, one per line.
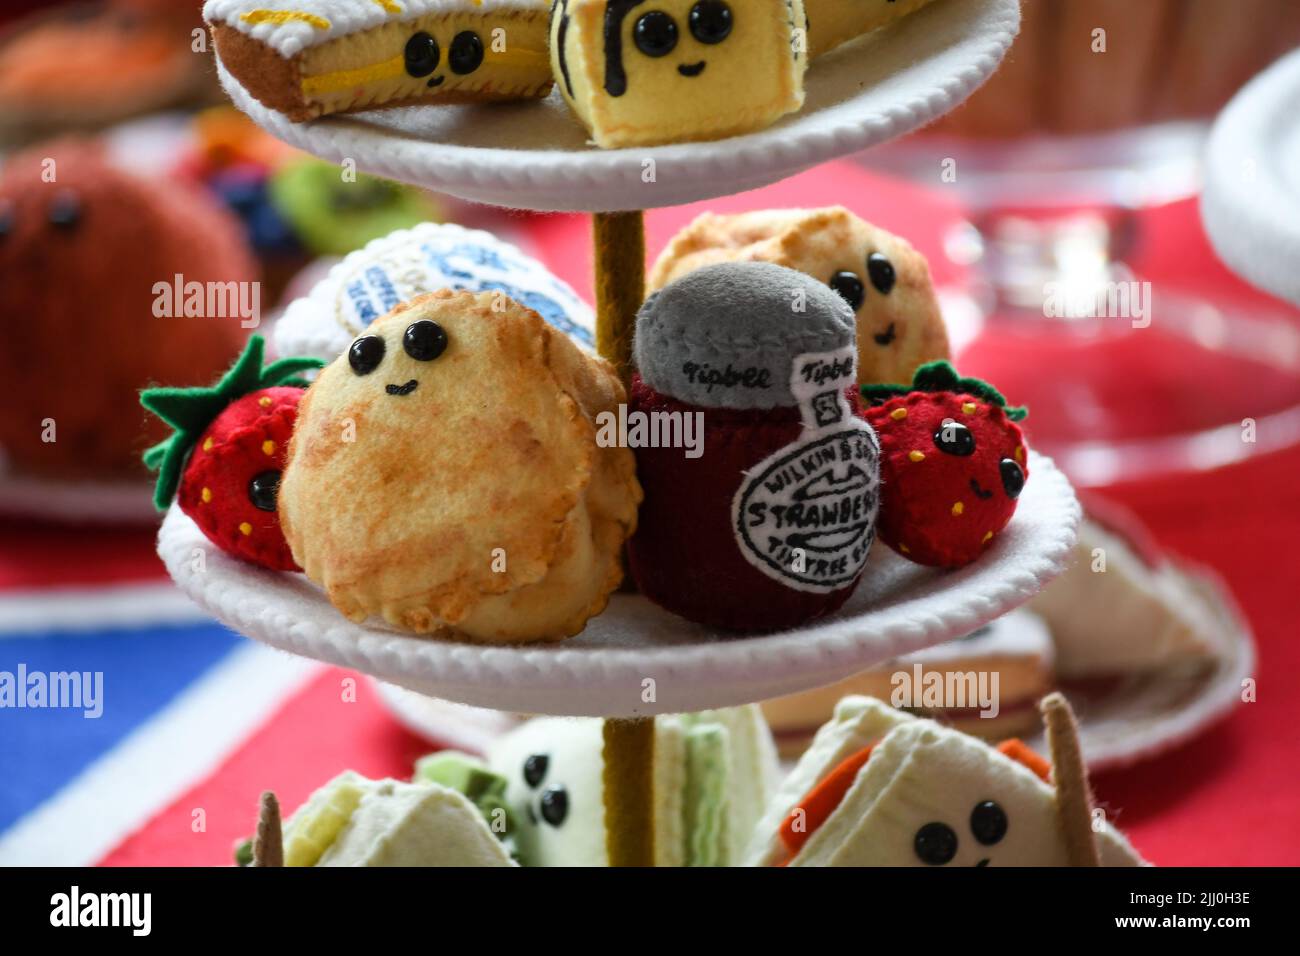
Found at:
[264, 489]
[954, 438]
[935, 844]
[466, 53]
[65, 210]
[882, 274]
[655, 34]
[850, 288]
[555, 805]
[366, 354]
[988, 822]
[1013, 478]
[425, 341]
[422, 55]
[535, 769]
[710, 21]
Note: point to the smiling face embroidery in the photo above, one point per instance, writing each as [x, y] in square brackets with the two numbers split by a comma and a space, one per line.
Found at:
[640, 72]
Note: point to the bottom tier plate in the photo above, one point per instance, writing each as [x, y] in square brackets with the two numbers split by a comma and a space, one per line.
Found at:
[637, 659]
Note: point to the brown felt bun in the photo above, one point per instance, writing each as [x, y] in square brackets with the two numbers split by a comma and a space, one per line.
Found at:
[79, 260]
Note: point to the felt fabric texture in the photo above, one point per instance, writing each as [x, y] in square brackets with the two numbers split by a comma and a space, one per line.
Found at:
[89, 337]
[832, 23]
[408, 263]
[334, 217]
[478, 465]
[687, 86]
[1074, 800]
[1016, 647]
[713, 772]
[1118, 609]
[685, 555]
[1251, 201]
[227, 438]
[899, 326]
[953, 466]
[726, 336]
[899, 80]
[628, 785]
[619, 240]
[919, 777]
[897, 608]
[268, 843]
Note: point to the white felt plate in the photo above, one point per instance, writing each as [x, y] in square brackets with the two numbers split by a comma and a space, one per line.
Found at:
[899, 607]
[1251, 202]
[536, 156]
[1140, 716]
[1120, 723]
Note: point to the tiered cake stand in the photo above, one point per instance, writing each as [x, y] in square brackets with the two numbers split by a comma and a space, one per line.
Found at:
[635, 661]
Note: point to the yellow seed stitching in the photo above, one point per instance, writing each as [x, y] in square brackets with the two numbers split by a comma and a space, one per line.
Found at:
[916, 455]
[207, 445]
[206, 495]
[1020, 453]
[268, 447]
[245, 529]
[904, 548]
[988, 536]
[968, 408]
[957, 509]
[898, 414]
[285, 16]
[265, 401]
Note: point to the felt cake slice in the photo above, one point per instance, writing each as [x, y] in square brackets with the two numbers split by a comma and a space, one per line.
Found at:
[832, 23]
[317, 57]
[1017, 648]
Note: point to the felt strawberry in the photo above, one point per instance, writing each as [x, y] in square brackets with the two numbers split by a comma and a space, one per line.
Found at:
[224, 460]
[953, 463]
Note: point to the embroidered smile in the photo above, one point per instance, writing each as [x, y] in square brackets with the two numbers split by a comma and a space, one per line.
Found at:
[980, 493]
[692, 69]
[406, 389]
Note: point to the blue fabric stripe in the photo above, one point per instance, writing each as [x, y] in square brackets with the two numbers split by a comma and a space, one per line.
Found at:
[144, 669]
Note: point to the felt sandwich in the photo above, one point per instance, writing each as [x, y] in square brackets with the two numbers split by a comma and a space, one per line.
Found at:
[881, 788]
[713, 774]
[986, 684]
[353, 821]
[318, 57]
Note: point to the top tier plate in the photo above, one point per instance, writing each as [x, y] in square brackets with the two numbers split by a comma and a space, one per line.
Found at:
[536, 155]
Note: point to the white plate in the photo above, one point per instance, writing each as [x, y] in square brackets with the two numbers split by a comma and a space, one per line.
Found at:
[536, 156]
[1251, 202]
[899, 607]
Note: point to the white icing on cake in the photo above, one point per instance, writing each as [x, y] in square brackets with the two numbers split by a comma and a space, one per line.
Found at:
[368, 283]
[311, 22]
[1018, 634]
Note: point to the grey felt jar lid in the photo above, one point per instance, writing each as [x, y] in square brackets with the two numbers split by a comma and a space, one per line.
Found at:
[726, 335]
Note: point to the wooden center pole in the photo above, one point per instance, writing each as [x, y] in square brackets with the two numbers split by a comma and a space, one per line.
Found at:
[629, 744]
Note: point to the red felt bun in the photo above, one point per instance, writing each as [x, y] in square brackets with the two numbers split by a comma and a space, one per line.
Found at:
[684, 555]
[945, 491]
[250, 438]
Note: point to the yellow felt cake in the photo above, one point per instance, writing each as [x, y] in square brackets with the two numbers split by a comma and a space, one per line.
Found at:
[641, 73]
[318, 57]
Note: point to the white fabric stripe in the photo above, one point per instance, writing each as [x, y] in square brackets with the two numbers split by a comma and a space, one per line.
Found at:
[158, 762]
[40, 610]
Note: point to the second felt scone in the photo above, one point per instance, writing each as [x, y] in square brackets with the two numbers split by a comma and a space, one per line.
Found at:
[445, 475]
[882, 277]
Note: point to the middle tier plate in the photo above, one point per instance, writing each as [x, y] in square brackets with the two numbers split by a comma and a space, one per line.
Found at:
[637, 659]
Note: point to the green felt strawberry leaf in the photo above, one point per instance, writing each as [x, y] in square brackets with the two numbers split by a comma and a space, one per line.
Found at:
[189, 411]
[942, 377]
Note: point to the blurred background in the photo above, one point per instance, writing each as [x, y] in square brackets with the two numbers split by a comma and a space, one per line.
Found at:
[1059, 209]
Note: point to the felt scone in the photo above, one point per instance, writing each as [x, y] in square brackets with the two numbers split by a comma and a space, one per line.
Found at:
[881, 788]
[880, 275]
[444, 474]
[642, 74]
[834, 22]
[335, 56]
